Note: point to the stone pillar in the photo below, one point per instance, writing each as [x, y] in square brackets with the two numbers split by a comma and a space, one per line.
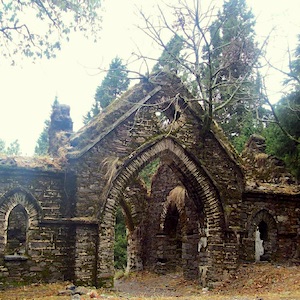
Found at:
[215, 270]
[86, 254]
[134, 251]
[161, 242]
[190, 256]
[105, 265]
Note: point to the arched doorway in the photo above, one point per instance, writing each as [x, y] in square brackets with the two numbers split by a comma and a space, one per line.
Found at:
[170, 242]
[264, 231]
[179, 234]
[200, 189]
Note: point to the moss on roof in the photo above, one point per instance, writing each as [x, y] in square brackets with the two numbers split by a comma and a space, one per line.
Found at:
[122, 108]
[44, 163]
[265, 173]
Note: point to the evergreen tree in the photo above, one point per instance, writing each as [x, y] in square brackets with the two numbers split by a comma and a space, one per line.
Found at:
[278, 143]
[2, 146]
[13, 148]
[283, 135]
[114, 83]
[251, 125]
[169, 60]
[233, 53]
[42, 144]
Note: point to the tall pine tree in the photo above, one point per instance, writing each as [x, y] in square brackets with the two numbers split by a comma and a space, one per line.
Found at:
[13, 148]
[232, 54]
[169, 61]
[283, 134]
[42, 144]
[113, 85]
[2, 146]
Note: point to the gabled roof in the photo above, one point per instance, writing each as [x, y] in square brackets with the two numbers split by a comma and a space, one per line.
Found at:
[121, 109]
[159, 85]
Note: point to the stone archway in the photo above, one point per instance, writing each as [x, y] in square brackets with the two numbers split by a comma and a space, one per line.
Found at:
[22, 203]
[203, 192]
[179, 235]
[263, 230]
[171, 231]
[17, 231]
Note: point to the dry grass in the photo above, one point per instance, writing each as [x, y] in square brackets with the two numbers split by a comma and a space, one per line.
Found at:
[251, 282]
[37, 162]
[35, 291]
[264, 281]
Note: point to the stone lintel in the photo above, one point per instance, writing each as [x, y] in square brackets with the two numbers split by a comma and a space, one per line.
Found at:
[70, 221]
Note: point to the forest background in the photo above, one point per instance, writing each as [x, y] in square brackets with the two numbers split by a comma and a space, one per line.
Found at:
[228, 66]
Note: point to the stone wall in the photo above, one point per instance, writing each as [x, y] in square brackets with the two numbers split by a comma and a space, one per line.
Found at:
[85, 253]
[208, 171]
[281, 213]
[175, 228]
[47, 254]
[201, 215]
[209, 174]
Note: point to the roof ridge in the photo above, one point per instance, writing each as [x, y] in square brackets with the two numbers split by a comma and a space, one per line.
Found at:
[77, 154]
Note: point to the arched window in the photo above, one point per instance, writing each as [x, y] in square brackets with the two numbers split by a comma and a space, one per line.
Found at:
[17, 231]
[19, 213]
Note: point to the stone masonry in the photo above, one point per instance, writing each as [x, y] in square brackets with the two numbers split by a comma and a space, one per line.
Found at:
[206, 209]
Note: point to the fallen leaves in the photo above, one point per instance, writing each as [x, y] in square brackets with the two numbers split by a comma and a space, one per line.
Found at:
[251, 282]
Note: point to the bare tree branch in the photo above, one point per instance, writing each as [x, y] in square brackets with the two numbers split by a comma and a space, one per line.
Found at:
[55, 20]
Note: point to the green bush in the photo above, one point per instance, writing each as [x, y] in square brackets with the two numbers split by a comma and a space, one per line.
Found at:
[120, 247]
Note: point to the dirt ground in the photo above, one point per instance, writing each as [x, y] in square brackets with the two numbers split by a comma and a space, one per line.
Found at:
[251, 282]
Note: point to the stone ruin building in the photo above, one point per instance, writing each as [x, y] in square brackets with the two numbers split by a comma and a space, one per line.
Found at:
[207, 210]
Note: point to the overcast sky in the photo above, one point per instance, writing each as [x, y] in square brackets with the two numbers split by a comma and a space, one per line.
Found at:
[28, 90]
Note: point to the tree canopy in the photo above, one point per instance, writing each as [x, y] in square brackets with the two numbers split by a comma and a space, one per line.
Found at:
[217, 56]
[278, 143]
[170, 57]
[35, 28]
[42, 144]
[234, 58]
[283, 130]
[113, 85]
[12, 149]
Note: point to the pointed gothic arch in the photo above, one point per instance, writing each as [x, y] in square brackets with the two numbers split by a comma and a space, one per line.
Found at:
[198, 183]
[21, 200]
[263, 228]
